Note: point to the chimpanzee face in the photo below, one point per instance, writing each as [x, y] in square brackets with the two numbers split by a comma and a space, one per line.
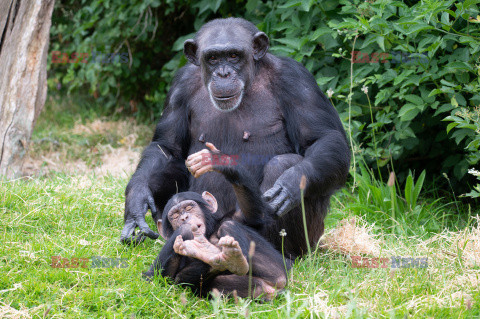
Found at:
[226, 70]
[188, 208]
[187, 212]
[227, 58]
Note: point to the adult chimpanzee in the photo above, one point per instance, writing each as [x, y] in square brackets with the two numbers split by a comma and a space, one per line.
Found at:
[244, 100]
[207, 249]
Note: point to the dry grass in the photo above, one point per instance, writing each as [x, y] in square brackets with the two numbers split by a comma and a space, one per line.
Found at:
[7, 312]
[352, 236]
[461, 245]
[93, 153]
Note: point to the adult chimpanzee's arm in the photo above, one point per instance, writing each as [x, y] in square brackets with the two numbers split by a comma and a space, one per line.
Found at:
[161, 171]
[315, 130]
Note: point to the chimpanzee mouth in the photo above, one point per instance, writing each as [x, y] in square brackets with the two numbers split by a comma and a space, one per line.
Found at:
[226, 97]
[227, 102]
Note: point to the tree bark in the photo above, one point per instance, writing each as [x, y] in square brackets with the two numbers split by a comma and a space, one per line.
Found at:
[24, 36]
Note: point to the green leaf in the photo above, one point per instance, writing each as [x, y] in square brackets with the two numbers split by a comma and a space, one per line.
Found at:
[408, 112]
[252, 5]
[409, 189]
[104, 88]
[435, 92]
[451, 126]
[418, 187]
[293, 43]
[319, 32]
[216, 5]
[290, 4]
[306, 5]
[446, 20]
[178, 44]
[402, 76]
[444, 82]
[454, 101]
[409, 28]
[415, 99]
[324, 79]
[468, 126]
[459, 135]
[447, 107]
[459, 65]
[469, 3]
[381, 42]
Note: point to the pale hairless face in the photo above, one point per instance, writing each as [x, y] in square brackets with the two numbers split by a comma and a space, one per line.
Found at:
[227, 58]
[186, 212]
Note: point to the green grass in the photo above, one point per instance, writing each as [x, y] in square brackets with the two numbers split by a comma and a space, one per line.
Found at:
[43, 217]
[80, 216]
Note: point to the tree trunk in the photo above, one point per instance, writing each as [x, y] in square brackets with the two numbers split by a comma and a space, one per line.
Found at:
[24, 35]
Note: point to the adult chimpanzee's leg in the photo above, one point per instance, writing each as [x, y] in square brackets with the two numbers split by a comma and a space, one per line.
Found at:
[315, 210]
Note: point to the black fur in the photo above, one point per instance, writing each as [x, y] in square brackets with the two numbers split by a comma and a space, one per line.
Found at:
[267, 263]
[287, 116]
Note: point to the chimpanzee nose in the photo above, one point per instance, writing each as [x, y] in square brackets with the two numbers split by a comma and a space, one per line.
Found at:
[223, 72]
[184, 217]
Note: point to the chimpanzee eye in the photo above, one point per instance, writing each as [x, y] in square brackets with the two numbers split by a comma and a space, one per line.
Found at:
[233, 56]
[188, 208]
[212, 59]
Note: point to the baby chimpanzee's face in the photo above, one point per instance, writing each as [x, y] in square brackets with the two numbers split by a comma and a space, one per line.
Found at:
[186, 212]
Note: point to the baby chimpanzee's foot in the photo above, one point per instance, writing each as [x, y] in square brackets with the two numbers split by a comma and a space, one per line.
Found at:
[199, 248]
[231, 256]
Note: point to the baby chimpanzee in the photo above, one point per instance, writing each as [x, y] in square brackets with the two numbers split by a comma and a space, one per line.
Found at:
[210, 250]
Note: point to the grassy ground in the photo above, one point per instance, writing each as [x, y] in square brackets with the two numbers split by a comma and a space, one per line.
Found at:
[80, 214]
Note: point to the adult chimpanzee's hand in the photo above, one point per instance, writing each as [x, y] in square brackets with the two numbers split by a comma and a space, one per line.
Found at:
[285, 193]
[202, 162]
[138, 200]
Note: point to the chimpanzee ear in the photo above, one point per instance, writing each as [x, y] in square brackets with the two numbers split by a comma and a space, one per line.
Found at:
[211, 200]
[190, 51]
[260, 45]
[160, 228]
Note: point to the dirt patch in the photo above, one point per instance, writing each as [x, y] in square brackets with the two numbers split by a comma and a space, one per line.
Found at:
[119, 162]
[99, 147]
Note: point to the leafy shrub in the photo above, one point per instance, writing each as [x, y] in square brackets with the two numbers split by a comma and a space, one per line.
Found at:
[411, 99]
[466, 124]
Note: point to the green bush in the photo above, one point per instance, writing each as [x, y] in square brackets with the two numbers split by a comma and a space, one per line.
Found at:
[410, 100]
[397, 119]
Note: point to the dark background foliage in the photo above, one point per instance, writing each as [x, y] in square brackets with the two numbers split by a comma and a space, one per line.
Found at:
[417, 114]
